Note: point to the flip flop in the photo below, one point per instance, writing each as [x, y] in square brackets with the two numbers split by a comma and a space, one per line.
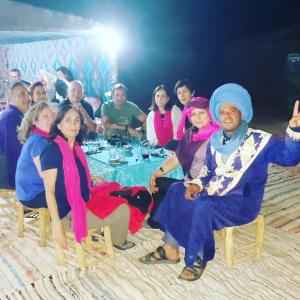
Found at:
[151, 259]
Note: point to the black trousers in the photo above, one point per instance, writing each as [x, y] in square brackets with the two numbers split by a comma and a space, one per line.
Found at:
[162, 183]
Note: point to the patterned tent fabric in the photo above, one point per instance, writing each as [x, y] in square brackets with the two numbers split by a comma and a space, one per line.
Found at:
[85, 56]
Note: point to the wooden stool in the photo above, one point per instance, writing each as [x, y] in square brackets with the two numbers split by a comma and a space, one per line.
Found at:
[43, 218]
[11, 202]
[227, 233]
[88, 245]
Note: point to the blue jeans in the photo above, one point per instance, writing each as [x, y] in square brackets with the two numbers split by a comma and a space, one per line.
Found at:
[170, 240]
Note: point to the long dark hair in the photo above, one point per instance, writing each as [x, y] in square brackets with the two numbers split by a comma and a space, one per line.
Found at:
[61, 112]
[169, 104]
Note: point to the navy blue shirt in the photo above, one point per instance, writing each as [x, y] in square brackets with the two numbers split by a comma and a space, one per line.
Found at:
[10, 146]
[88, 107]
[51, 158]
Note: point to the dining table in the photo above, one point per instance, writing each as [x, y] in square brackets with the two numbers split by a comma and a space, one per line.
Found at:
[132, 169]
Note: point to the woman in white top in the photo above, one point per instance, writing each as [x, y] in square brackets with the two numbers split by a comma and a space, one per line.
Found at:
[163, 120]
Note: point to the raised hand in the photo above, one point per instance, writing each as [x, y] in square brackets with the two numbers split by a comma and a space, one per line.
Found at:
[295, 120]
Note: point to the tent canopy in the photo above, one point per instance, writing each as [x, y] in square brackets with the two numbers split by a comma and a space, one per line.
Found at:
[23, 23]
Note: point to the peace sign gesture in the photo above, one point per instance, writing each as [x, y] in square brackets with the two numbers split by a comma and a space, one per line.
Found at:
[295, 120]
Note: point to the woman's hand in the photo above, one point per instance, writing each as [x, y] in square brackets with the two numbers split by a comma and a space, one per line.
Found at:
[97, 180]
[153, 187]
[191, 191]
[58, 234]
[295, 120]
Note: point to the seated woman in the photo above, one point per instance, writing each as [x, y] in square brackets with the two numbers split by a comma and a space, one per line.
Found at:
[190, 152]
[67, 183]
[34, 134]
[163, 120]
[38, 92]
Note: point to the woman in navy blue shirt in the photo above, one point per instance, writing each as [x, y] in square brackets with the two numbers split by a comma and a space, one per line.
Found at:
[67, 183]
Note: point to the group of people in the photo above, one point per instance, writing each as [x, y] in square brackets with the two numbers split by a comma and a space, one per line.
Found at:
[224, 162]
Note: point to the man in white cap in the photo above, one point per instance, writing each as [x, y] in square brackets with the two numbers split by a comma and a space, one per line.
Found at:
[230, 187]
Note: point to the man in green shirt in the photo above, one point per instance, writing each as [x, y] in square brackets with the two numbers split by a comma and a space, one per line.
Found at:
[118, 114]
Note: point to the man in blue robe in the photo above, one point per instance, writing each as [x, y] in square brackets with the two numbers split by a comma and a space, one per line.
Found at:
[230, 187]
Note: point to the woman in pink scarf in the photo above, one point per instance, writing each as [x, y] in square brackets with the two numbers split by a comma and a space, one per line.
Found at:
[162, 121]
[190, 153]
[67, 183]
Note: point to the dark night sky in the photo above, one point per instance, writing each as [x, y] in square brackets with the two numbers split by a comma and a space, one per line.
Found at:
[169, 39]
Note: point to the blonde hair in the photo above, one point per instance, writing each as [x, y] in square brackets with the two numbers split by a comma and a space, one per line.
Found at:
[28, 121]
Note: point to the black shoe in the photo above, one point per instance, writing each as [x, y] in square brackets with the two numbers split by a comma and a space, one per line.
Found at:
[125, 246]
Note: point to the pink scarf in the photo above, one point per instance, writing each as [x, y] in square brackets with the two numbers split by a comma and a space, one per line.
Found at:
[36, 130]
[72, 183]
[205, 132]
[163, 127]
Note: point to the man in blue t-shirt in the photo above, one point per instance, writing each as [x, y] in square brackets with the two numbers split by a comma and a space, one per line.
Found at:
[10, 120]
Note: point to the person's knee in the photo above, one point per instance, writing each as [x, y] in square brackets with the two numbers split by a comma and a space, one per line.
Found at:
[124, 211]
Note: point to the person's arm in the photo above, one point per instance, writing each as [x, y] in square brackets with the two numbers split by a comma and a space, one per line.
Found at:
[142, 118]
[169, 165]
[176, 116]
[89, 122]
[49, 177]
[37, 163]
[287, 152]
[151, 135]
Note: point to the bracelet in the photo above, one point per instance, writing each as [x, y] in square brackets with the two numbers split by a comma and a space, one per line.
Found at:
[162, 170]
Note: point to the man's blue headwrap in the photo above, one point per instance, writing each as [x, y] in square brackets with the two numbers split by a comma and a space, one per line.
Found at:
[234, 94]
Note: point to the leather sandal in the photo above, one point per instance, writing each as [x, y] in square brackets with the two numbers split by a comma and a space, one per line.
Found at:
[151, 259]
[196, 271]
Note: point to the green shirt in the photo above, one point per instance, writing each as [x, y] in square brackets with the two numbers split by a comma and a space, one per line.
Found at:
[121, 116]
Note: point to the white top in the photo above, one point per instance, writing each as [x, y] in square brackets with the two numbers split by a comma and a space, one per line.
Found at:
[175, 116]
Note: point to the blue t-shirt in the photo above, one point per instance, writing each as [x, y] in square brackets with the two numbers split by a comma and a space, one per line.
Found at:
[28, 181]
[52, 158]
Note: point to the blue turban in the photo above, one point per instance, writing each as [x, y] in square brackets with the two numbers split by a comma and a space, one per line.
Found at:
[234, 94]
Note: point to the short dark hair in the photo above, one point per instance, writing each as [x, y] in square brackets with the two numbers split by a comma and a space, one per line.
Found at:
[34, 85]
[154, 106]
[61, 112]
[18, 84]
[118, 86]
[61, 87]
[67, 72]
[184, 82]
[15, 70]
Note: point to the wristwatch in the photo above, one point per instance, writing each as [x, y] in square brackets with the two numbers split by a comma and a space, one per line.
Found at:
[162, 169]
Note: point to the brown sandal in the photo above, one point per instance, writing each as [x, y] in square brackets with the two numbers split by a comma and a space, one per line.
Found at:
[196, 270]
[151, 259]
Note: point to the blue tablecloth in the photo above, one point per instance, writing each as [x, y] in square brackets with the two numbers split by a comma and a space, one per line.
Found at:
[136, 172]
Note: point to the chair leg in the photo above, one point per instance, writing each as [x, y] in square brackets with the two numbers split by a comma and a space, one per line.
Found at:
[60, 254]
[20, 219]
[43, 214]
[80, 256]
[108, 242]
[260, 226]
[229, 246]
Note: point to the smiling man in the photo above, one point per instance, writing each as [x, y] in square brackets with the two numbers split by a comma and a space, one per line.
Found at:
[229, 190]
[118, 114]
[10, 120]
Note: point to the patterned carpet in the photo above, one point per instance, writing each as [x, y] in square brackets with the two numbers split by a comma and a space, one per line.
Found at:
[30, 272]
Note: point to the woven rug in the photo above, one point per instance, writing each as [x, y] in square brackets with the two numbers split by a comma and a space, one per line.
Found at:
[30, 272]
